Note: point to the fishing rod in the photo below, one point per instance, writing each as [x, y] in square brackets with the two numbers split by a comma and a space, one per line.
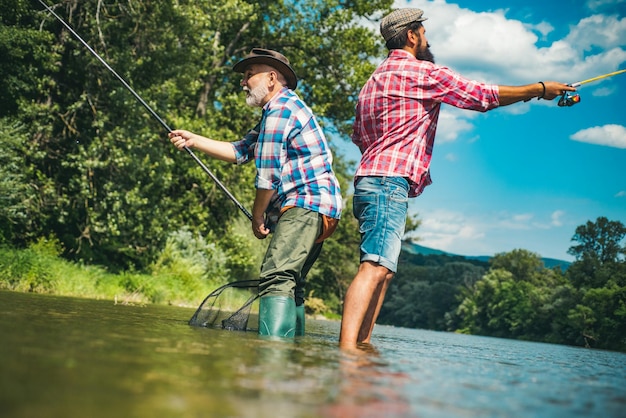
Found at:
[149, 109]
[570, 99]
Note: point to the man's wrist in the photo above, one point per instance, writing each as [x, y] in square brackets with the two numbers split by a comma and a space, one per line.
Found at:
[543, 93]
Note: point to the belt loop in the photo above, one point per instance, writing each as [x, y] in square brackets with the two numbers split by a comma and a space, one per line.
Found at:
[382, 180]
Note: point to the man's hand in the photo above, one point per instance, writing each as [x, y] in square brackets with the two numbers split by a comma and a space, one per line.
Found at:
[261, 202]
[221, 150]
[181, 139]
[555, 89]
[259, 229]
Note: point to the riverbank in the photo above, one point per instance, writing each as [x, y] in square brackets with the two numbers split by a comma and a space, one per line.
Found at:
[39, 269]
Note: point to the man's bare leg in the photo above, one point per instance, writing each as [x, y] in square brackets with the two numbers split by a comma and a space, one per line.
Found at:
[362, 303]
[365, 334]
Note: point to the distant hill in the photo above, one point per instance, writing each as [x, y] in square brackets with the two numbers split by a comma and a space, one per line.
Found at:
[414, 248]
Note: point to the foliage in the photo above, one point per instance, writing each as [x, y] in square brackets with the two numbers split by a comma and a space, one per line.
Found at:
[600, 256]
[28, 270]
[194, 255]
[98, 172]
[515, 296]
[39, 269]
[600, 240]
[503, 305]
[600, 275]
[315, 306]
[424, 292]
[586, 305]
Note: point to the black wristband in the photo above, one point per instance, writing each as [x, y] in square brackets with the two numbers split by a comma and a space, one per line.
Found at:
[544, 91]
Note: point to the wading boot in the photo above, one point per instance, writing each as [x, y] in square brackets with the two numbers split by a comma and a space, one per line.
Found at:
[300, 320]
[277, 316]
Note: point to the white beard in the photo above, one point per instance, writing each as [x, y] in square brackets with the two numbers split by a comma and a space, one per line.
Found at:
[255, 96]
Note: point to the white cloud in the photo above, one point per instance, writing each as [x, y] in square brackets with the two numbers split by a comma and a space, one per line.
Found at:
[453, 123]
[452, 232]
[603, 91]
[524, 217]
[599, 4]
[463, 234]
[557, 215]
[489, 47]
[621, 193]
[451, 157]
[598, 30]
[544, 28]
[492, 48]
[607, 135]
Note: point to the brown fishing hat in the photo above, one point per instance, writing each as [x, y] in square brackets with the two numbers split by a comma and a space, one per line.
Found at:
[396, 21]
[273, 59]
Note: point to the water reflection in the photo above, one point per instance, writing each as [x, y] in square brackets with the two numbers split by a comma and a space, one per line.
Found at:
[71, 358]
[367, 387]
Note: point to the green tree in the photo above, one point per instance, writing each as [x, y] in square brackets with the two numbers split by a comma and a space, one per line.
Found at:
[515, 299]
[605, 310]
[600, 240]
[522, 264]
[28, 57]
[425, 291]
[599, 274]
[99, 173]
[599, 254]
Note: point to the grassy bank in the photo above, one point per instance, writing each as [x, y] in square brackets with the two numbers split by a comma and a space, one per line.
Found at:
[40, 269]
[184, 274]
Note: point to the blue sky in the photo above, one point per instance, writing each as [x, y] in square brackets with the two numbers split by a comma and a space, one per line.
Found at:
[525, 175]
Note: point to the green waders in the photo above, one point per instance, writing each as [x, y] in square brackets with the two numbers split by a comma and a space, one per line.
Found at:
[300, 320]
[289, 257]
[277, 316]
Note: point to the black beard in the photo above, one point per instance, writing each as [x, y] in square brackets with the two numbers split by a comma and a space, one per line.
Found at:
[426, 55]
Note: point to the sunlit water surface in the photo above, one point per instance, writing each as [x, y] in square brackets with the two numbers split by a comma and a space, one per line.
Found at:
[67, 357]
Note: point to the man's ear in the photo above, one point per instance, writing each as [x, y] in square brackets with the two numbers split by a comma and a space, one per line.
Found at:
[273, 77]
[412, 38]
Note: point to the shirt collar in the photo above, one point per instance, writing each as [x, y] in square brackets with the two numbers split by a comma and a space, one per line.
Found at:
[400, 53]
[283, 92]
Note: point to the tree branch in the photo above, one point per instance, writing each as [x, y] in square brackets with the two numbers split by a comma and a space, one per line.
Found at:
[217, 63]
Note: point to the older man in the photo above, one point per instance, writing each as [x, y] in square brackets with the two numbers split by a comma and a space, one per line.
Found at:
[396, 119]
[294, 175]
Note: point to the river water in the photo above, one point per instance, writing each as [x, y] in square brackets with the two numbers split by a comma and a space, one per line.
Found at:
[69, 357]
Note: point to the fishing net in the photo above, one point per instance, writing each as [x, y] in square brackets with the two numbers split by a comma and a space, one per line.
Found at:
[218, 308]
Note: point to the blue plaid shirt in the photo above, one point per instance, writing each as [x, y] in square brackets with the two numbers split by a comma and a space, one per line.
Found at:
[292, 156]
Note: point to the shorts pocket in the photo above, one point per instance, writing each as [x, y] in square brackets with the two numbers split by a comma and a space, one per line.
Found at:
[399, 192]
[399, 195]
[365, 209]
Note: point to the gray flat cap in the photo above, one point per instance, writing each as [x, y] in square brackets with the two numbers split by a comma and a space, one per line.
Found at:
[396, 21]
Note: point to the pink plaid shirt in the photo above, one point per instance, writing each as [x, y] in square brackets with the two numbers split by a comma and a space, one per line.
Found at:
[397, 113]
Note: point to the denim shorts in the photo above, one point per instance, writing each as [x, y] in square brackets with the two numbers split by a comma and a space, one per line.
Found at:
[380, 205]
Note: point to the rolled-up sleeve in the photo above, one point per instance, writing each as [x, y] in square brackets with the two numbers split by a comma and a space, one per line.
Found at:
[456, 90]
[244, 148]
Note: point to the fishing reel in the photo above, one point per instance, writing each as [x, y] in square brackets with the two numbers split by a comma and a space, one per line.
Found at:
[569, 99]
